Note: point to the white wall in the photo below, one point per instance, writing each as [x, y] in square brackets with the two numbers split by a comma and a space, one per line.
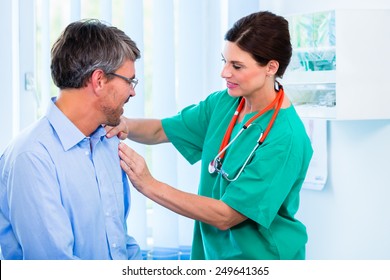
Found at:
[348, 219]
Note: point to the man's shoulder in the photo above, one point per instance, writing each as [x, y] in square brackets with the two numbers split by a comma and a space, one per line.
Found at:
[31, 139]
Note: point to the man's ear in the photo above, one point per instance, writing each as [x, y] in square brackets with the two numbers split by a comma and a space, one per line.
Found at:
[98, 79]
[272, 67]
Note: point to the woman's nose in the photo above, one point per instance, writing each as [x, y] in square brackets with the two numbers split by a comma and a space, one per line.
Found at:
[226, 73]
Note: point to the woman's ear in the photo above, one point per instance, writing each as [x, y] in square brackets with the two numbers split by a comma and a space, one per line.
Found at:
[272, 67]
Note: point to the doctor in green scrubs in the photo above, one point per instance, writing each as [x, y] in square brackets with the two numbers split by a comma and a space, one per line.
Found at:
[253, 147]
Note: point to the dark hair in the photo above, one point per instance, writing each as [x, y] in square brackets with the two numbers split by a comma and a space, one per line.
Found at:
[265, 36]
[85, 46]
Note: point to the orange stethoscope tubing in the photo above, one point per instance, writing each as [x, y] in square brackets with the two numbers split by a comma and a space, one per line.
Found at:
[216, 164]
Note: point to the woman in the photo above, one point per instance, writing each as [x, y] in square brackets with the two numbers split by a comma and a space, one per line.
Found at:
[249, 188]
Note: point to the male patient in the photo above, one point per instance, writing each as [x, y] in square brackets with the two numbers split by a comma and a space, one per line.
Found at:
[63, 194]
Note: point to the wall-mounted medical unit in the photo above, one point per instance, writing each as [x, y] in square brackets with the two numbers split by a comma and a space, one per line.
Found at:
[340, 65]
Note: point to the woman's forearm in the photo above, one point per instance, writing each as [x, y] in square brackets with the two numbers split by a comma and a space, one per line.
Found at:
[146, 131]
[201, 208]
[208, 210]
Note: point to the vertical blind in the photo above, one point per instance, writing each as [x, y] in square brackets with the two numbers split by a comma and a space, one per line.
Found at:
[180, 42]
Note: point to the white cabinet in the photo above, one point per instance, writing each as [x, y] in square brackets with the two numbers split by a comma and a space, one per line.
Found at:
[340, 67]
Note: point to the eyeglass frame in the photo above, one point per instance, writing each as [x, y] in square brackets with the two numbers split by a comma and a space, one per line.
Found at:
[132, 81]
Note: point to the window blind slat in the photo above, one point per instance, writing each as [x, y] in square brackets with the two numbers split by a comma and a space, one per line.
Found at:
[134, 27]
[9, 70]
[163, 104]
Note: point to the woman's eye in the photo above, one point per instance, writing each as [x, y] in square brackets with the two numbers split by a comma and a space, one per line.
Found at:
[236, 67]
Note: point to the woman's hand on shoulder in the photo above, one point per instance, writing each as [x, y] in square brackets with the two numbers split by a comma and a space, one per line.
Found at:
[121, 130]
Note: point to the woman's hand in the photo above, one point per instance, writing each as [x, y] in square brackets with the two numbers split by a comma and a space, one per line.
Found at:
[135, 167]
[121, 130]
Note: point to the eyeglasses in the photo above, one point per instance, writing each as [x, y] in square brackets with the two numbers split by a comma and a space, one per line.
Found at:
[133, 82]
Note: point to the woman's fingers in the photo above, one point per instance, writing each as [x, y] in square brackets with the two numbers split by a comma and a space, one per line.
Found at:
[125, 154]
[125, 167]
[125, 150]
[121, 130]
[129, 156]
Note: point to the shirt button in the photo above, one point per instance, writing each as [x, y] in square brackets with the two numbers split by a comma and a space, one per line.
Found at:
[114, 245]
[107, 214]
[87, 153]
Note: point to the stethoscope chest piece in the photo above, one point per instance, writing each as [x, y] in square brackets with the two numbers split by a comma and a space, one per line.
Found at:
[211, 167]
[215, 165]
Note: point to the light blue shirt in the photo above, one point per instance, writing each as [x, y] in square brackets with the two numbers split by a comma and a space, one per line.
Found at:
[64, 195]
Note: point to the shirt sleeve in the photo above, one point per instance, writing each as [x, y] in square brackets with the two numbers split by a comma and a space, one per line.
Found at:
[133, 249]
[38, 218]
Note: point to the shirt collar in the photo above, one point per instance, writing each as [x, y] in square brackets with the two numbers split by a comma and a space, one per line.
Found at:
[68, 134]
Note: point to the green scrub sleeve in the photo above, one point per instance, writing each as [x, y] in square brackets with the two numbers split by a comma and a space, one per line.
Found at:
[186, 131]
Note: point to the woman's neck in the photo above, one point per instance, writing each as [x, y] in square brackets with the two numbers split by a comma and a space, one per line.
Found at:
[256, 103]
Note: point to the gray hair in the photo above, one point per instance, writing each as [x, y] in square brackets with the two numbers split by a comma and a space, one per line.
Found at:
[85, 46]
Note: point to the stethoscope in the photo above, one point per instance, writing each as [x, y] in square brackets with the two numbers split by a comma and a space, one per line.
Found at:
[215, 165]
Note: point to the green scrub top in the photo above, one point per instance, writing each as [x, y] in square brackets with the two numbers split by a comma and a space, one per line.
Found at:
[267, 191]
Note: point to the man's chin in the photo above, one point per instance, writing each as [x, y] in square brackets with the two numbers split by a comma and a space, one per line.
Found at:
[113, 123]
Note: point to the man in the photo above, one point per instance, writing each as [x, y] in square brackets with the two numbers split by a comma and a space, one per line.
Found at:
[63, 194]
